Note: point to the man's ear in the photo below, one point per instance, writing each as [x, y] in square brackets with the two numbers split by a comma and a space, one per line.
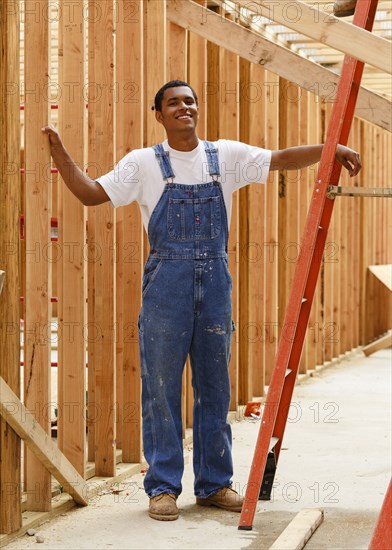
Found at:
[158, 116]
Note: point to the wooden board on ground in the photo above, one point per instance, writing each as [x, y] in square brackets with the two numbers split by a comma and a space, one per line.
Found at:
[26, 426]
[299, 531]
[383, 273]
[381, 343]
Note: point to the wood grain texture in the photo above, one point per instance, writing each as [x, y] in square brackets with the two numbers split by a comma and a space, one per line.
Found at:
[71, 267]
[37, 229]
[228, 126]
[129, 135]
[252, 249]
[10, 204]
[299, 530]
[271, 249]
[102, 327]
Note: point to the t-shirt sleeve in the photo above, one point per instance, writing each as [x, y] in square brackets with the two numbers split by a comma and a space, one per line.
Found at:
[242, 164]
[123, 184]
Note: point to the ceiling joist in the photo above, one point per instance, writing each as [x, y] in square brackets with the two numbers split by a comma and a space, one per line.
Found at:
[274, 57]
[327, 29]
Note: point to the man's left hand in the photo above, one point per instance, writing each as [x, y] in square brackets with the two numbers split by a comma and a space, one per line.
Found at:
[349, 159]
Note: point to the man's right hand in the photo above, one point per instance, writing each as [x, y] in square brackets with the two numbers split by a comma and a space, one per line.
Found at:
[88, 191]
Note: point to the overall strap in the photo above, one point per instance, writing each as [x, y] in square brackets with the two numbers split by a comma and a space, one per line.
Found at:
[213, 160]
[163, 158]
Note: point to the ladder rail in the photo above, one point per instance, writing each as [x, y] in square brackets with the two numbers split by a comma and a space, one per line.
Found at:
[274, 418]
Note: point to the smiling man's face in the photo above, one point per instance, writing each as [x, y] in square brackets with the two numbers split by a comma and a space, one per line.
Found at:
[179, 110]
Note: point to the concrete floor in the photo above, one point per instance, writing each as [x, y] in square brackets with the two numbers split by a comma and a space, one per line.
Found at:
[336, 456]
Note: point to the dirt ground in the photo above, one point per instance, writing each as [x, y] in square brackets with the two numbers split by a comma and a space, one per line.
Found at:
[336, 456]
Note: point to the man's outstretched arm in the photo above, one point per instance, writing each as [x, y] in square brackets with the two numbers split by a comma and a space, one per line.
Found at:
[88, 191]
[295, 158]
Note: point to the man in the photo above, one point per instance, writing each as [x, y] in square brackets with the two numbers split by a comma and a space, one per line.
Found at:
[344, 8]
[184, 188]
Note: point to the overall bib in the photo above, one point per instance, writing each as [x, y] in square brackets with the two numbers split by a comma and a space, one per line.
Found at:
[186, 309]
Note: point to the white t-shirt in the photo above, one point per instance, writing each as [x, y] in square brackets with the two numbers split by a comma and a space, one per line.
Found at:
[138, 177]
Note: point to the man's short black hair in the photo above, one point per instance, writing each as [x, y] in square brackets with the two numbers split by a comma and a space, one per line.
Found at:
[171, 84]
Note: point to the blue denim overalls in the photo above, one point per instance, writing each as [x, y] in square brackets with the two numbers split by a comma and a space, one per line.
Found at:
[186, 309]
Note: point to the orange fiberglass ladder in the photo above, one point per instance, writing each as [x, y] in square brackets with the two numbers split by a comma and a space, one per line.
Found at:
[283, 378]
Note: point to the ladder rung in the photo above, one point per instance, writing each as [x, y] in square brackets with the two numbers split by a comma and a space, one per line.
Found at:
[273, 442]
[339, 190]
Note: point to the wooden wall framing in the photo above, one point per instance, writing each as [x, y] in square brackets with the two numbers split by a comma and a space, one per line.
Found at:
[105, 62]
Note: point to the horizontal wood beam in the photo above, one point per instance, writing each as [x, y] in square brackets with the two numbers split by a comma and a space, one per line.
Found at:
[275, 58]
[327, 29]
[381, 343]
[28, 428]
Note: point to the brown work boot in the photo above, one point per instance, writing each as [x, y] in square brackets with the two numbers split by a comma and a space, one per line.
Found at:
[163, 507]
[343, 8]
[225, 498]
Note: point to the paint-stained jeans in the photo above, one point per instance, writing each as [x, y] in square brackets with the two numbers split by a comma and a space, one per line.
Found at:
[186, 309]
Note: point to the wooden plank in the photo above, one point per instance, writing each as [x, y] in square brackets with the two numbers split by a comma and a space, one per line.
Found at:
[155, 64]
[71, 267]
[101, 106]
[246, 317]
[211, 92]
[355, 246]
[299, 530]
[320, 312]
[251, 251]
[129, 135]
[229, 129]
[329, 298]
[358, 247]
[289, 196]
[120, 307]
[178, 52]
[197, 78]
[197, 75]
[91, 400]
[329, 30]
[271, 251]
[313, 336]
[341, 268]
[287, 64]
[189, 397]
[131, 292]
[37, 228]
[177, 69]
[29, 429]
[304, 197]
[371, 219]
[10, 205]
[364, 235]
[381, 343]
